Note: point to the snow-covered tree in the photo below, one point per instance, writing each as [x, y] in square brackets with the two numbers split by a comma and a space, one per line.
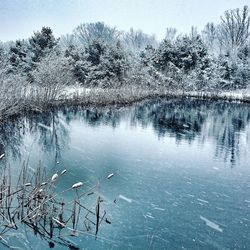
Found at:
[210, 36]
[19, 57]
[136, 40]
[86, 33]
[185, 53]
[66, 41]
[98, 63]
[234, 72]
[41, 43]
[170, 33]
[51, 76]
[3, 56]
[234, 30]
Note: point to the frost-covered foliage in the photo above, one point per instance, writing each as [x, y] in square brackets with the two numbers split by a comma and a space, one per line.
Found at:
[50, 77]
[41, 43]
[17, 57]
[12, 85]
[179, 60]
[98, 63]
[234, 72]
[12, 90]
[96, 55]
[228, 43]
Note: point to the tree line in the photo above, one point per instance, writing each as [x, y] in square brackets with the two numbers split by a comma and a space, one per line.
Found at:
[97, 55]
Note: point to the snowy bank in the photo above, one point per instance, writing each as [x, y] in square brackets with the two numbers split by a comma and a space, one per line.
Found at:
[77, 95]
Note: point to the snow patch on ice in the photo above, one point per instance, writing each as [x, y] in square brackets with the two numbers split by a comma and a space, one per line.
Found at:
[211, 224]
[125, 198]
[204, 201]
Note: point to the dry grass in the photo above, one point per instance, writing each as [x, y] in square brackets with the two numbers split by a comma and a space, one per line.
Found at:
[36, 100]
[34, 203]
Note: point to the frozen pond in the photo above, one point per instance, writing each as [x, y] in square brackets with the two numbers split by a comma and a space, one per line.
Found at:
[181, 170]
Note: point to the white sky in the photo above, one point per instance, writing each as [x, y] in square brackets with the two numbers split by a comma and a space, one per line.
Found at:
[19, 18]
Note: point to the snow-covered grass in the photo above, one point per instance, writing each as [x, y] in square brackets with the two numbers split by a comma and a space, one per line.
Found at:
[77, 95]
[131, 94]
[239, 95]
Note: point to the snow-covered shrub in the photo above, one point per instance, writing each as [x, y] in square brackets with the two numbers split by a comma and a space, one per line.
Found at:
[50, 77]
[12, 91]
[98, 63]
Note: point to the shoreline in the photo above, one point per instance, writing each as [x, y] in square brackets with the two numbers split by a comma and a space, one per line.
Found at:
[114, 97]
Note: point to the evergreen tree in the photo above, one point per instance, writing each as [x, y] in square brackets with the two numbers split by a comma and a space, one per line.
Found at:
[19, 57]
[98, 62]
[41, 43]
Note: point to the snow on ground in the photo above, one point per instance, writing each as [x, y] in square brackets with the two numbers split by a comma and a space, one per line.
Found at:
[237, 95]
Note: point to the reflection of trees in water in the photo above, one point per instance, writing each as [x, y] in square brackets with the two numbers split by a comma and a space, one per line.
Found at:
[11, 135]
[186, 120]
[190, 119]
[110, 116]
[227, 124]
[50, 129]
[182, 120]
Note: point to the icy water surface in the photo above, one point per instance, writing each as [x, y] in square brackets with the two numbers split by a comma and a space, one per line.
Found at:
[181, 171]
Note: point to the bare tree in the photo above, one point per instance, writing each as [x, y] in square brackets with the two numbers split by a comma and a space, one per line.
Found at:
[170, 33]
[209, 36]
[88, 32]
[137, 40]
[234, 30]
[67, 40]
[193, 33]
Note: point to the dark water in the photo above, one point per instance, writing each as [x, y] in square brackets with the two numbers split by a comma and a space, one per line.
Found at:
[182, 170]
